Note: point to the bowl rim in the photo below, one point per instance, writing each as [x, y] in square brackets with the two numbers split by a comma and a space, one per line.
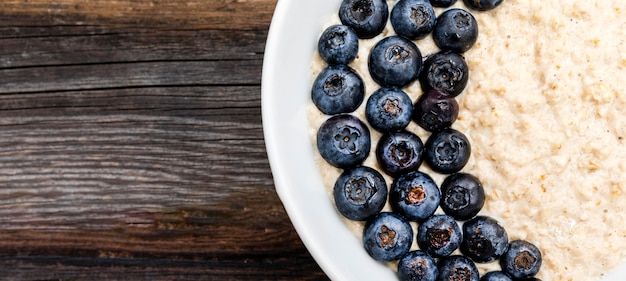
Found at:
[286, 74]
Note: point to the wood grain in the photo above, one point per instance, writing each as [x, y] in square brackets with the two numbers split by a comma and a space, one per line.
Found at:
[188, 14]
[131, 144]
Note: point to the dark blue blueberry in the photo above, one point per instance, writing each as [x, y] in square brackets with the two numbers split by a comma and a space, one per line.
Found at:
[457, 268]
[414, 195]
[395, 62]
[413, 19]
[367, 17]
[445, 71]
[522, 260]
[439, 235]
[484, 239]
[462, 196]
[387, 237]
[435, 110]
[447, 151]
[399, 152]
[360, 193]
[482, 5]
[417, 266]
[442, 3]
[495, 276]
[456, 30]
[344, 141]
[389, 109]
[338, 89]
[338, 44]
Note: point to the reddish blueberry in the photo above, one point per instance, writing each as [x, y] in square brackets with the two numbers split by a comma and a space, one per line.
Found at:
[482, 5]
[435, 110]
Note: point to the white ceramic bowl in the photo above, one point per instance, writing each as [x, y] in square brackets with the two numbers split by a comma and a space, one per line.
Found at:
[285, 96]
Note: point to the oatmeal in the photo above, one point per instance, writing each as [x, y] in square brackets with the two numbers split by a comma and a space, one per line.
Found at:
[544, 110]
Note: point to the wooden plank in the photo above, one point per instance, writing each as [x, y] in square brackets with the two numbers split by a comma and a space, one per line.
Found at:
[169, 179]
[80, 62]
[84, 46]
[131, 144]
[61, 268]
[130, 75]
[169, 14]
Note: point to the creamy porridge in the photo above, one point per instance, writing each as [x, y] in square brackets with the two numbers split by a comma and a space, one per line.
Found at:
[544, 111]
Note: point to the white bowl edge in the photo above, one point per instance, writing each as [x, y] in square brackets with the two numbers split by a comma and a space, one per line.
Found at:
[285, 87]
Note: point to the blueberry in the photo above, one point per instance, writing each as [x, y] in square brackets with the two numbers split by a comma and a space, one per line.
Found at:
[447, 151]
[484, 239]
[395, 62]
[439, 235]
[413, 19]
[337, 89]
[445, 71]
[417, 266]
[399, 152]
[456, 30]
[482, 5]
[462, 196]
[389, 109]
[360, 193]
[338, 44]
[435, 110]
[367, 17]
[442, 3]
[343, 141]
[522, 260]
[495, 276]
[387, 237]
[414, 195]
[457, 268]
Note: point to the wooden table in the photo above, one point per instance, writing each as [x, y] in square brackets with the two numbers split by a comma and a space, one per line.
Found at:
[131, 144]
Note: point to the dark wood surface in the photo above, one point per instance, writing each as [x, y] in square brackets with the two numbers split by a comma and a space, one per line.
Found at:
[131, 144]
